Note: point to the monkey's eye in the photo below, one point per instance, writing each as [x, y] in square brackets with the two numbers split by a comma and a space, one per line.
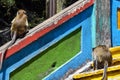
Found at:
[18, 12]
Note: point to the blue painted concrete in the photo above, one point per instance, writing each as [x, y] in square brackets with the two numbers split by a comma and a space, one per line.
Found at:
[114, 30]
[83, 19]
[86, 47]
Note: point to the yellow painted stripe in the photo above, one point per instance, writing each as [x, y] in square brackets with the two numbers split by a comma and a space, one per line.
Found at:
[114, 49]
[118, 14]
[96, 72]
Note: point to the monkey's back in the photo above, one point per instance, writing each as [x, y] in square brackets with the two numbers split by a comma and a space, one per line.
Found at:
[102, 54]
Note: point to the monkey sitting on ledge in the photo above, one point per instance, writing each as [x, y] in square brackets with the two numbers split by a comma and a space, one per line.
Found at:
[19, 28]
[20, 24]
[102, 59]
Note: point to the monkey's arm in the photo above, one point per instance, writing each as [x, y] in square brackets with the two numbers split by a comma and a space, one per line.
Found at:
[13, 20]
[26, 23]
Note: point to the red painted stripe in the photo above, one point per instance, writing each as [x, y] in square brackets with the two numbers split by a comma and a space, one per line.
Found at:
[35, 36]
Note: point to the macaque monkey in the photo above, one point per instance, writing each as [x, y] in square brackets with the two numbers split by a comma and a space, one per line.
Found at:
[102, 59]
[19, 24]
[19, 28]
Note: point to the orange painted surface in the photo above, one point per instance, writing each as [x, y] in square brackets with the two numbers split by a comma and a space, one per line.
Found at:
[118, 15]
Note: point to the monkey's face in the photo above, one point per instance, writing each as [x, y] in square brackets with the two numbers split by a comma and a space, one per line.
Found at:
[21, 12]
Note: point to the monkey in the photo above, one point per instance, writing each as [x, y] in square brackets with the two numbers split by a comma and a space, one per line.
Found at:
[20, 24]
[102, 58]
[19, 28]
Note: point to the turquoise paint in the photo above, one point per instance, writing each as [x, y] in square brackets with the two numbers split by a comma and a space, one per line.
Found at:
[94, 26]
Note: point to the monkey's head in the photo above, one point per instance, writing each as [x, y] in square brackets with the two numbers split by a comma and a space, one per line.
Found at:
[21, 12]
[101, 47]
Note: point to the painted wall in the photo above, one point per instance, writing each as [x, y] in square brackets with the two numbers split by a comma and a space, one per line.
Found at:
[84, 20]
[114, 28]
[49, 33]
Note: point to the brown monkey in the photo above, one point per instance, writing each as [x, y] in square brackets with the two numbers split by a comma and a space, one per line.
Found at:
[19, 28]
[20, 23]
[102, 59]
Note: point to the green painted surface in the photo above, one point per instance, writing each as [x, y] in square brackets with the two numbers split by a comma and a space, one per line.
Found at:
[40, 66]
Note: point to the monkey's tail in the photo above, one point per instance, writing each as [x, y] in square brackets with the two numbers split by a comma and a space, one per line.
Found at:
[105, 71]
[5, 50]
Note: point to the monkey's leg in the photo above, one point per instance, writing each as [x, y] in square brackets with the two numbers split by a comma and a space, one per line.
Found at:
[14, 37]
[95, 64]
[4, 52]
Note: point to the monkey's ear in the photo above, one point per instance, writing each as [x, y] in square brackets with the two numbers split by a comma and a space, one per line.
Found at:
[24, 12]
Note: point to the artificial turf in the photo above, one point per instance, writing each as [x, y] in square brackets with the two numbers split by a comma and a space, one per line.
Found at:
[39, 67]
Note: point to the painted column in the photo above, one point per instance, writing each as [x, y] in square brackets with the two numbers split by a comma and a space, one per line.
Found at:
[60, 5]
[50, 8]
[103, 35]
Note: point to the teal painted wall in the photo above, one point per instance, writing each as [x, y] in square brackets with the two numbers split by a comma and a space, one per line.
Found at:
[93, 26]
